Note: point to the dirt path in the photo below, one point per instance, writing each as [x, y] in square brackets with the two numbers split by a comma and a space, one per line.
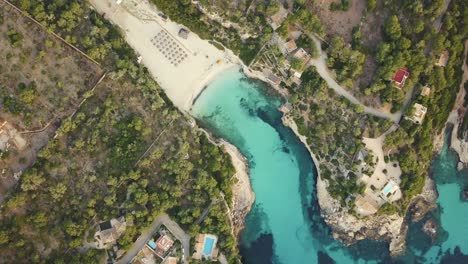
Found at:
[322, 69]
[438, 23]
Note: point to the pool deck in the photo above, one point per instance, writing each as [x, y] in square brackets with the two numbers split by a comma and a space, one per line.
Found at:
[201, 250]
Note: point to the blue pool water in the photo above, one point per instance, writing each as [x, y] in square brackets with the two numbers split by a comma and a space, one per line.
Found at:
[208, 247]
[152, 244]
[284, 225]
[387, 189]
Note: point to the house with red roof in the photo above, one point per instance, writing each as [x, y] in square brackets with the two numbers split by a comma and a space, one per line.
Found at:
[400, 77]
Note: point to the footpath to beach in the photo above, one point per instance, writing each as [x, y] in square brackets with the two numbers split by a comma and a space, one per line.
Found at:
[182, 65]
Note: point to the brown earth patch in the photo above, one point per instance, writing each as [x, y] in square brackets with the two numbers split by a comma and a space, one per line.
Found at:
[339, 22]
[56, 77]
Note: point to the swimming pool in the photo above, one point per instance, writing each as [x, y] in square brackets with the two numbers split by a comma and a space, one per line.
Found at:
[208, 247]
[387, 188]
[152, 244]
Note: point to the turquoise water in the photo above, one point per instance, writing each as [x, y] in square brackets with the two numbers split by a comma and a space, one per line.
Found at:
[208, 247]
[387, 189]
[284, 225]
[451, 216]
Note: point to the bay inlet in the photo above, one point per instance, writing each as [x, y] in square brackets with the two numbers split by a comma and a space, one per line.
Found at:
[284, 225]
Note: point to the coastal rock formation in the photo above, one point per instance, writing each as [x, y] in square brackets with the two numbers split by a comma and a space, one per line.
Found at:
[459, 145]
[423, 203]
[430, 228]
[346, 227]
[459, 138]
[464, 195]
[244, 196]
[350, 229]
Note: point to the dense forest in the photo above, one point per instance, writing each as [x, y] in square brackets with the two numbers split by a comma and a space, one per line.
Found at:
[403, 45]
[103, 162]
[415, 155]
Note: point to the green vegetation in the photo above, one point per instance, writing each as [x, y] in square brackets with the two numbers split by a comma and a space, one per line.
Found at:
[186, 13]
[27, 93]
[334, 129]
[14, 37]
[408, 37]
[41, 78]
[95, 169]
[297, 64]
[304, 19]
[371, 5]
[409, 40]
[346, 62]
[308, 44]
[388, 209]
[414, 142]
[343, 5]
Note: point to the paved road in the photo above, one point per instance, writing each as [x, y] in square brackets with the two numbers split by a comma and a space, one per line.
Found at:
[322, 69]
[172, 226]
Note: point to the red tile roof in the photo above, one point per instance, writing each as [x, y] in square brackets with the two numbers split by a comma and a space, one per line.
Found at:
[401, 76]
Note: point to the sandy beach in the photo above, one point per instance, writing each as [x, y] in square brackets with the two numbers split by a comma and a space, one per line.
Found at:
[181, 64]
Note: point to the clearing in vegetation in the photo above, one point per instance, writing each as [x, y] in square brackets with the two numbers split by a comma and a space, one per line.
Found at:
[42, 81]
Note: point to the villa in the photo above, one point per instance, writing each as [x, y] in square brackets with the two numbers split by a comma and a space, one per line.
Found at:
[205, 247]
[290, 46]
[161, 246]
[4, 138]
[366, 205]
[443, 59]
[109, 232]
[418, 114]
[144, 256]
[170, 260]
[295, 76]
[272, 78]
[302, 55]
[400, 77]
[426, 91]
[278, 18]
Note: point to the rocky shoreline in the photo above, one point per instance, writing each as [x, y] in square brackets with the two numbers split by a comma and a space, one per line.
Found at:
[349, 229]
[243, 195]
[460, 145]
[345, 227]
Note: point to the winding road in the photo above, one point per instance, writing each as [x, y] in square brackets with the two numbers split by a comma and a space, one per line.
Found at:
[321, 66]
[322, 69]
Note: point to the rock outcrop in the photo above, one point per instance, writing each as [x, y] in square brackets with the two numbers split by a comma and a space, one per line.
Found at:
[244, 196]
[430, 228]
[349, 229]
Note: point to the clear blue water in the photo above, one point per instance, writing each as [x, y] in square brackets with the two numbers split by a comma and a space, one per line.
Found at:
[208, 247]
[451, 215]
[152, 244]
[387, 189]
[284, 225]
